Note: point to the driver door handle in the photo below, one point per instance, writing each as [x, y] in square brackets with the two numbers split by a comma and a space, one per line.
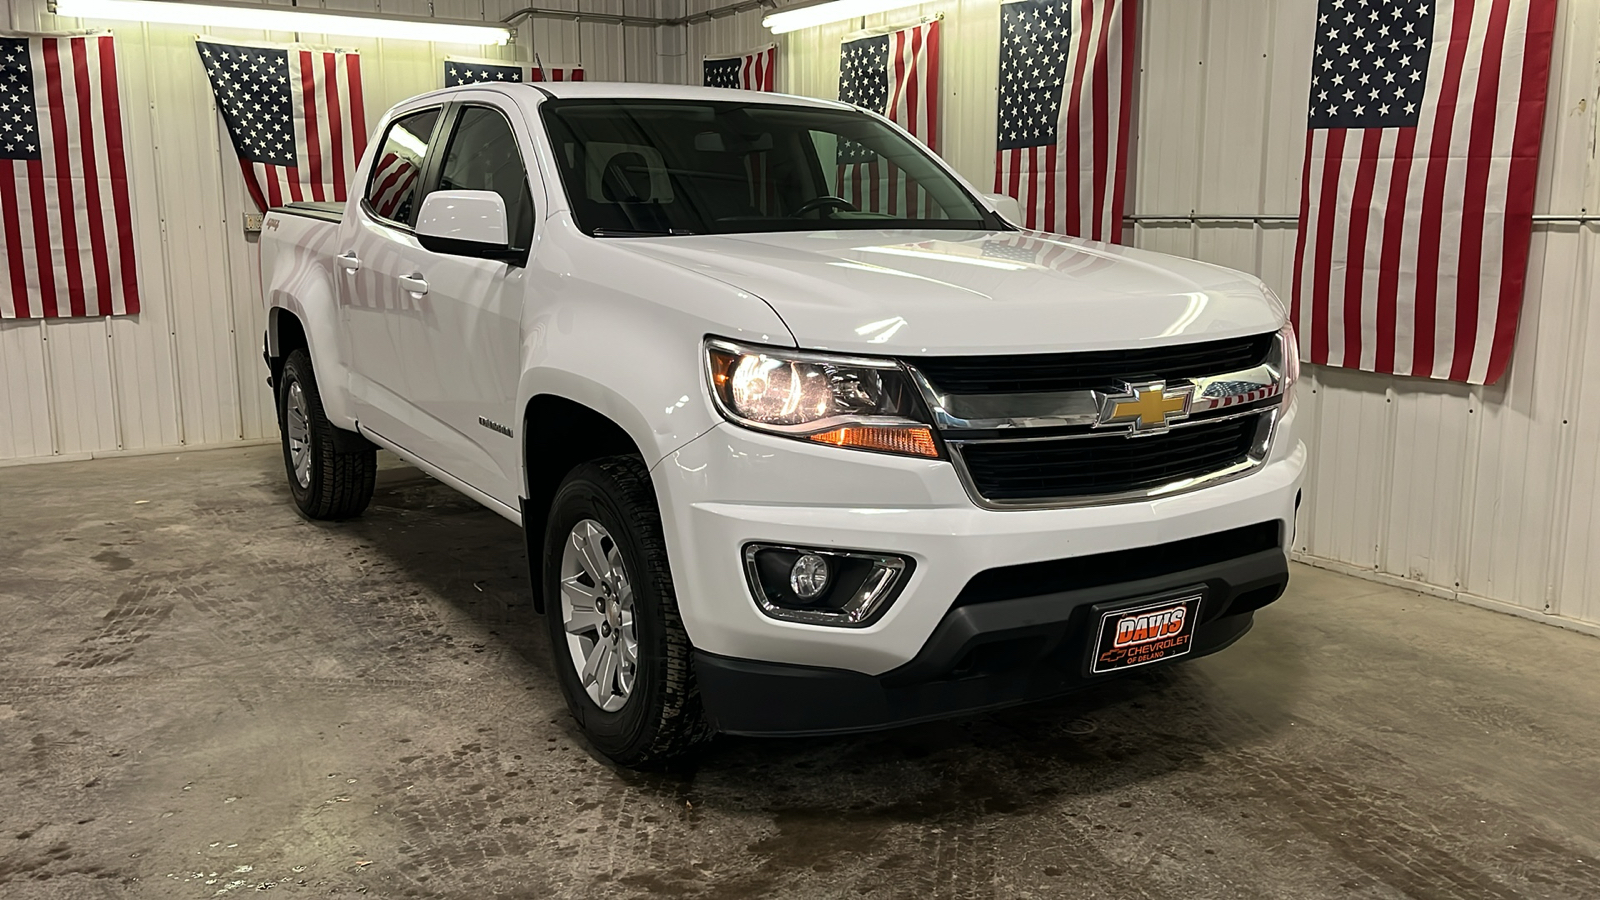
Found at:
[414, 283]
[349, 261]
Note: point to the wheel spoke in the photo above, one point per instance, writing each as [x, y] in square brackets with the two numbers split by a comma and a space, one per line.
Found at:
[593, 559]
[591, 663]
[583, 618]
[627, 673]
[617, 571]
[578, 592]
[607, 676]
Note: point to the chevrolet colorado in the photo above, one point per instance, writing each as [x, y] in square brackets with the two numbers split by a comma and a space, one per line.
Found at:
[804, 435]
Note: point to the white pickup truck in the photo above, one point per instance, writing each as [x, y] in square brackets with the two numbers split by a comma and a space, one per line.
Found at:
[804, 436]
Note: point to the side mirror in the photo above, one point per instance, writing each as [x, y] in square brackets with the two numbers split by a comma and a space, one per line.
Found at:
[465, 223]
[1004, 204]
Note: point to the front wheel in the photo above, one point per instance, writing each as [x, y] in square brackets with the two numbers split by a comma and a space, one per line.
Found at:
[331, 473]
[621, 654]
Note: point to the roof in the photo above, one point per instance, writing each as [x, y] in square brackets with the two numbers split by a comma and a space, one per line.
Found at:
[628, 90]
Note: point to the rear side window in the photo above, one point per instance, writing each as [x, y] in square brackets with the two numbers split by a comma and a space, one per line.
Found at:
[397, 174]
[483, 156]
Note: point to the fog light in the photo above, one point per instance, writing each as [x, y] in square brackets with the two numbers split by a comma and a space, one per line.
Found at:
[845, 588]
[809, 576]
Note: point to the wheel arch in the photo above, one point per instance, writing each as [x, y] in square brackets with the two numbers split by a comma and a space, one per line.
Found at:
[285, 334]
[580, 434]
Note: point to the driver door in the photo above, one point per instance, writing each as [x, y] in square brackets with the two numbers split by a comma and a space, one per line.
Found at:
[465, 358]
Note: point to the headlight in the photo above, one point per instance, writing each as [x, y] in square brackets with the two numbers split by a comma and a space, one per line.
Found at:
[1291, 360]
[866, 404]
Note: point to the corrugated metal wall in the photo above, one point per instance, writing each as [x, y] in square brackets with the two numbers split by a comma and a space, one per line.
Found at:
[1489, 494]
[187, 371]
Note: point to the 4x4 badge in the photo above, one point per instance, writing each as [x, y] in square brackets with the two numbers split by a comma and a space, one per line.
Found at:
[1145, 408]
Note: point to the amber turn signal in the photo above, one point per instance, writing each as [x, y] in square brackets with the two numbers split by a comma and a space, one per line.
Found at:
[911, 441]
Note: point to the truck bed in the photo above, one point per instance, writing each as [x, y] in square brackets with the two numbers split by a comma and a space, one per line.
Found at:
[327, 211]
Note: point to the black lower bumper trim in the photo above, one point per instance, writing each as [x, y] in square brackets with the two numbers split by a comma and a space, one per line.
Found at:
[980, 657]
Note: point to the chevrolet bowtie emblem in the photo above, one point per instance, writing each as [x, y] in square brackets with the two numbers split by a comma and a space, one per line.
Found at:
[1145, 408]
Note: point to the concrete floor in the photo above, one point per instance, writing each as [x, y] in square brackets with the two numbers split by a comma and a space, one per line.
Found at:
[203, 694]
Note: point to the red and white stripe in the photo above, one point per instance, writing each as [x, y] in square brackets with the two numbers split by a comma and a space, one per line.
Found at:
[392, 180]
[330, 131]
[1413, 244]
[1078, 186]
[913, 72]
[66, 225]
[1201, 404]
[540, 72]
[757, 68]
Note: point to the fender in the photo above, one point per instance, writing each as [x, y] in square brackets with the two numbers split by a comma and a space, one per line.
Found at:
[301, 282]
[590, 335]
[608, 402]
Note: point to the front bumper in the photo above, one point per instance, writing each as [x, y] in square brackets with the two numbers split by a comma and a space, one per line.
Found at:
[733, 486]
[981, 656]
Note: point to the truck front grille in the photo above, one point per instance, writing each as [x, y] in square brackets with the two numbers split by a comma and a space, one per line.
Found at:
[1040, 372]
[1105, 466]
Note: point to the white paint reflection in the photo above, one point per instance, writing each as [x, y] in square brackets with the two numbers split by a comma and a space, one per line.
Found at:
[881, 330]
[1197, 305]
[936, 256]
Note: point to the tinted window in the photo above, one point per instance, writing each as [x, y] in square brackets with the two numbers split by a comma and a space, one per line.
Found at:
[653, 167]
[483, 156]
[396, 176]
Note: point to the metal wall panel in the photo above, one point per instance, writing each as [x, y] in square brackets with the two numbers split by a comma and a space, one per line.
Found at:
[1489, 494]
[187, 370]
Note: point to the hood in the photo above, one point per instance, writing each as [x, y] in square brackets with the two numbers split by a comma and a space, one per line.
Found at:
[936, 293]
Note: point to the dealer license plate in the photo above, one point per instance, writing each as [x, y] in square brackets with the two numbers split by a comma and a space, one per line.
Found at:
[1145, 631]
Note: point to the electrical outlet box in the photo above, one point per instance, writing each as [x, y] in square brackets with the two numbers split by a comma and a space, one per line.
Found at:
[252, 223]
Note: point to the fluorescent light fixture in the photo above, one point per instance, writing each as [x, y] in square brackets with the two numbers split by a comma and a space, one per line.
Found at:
[823, 13]
[254, 17]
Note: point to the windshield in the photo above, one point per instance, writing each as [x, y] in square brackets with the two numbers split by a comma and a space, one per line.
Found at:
[651, 167]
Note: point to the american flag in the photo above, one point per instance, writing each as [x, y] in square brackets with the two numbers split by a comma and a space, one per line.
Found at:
[896, 74]
[66, 227]
[1416, 199]
[295, 116]
[1066, 102]
[751, 71]
[459, 70]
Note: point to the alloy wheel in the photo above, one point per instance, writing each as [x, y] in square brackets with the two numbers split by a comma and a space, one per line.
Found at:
[297, 421]
[597, 615]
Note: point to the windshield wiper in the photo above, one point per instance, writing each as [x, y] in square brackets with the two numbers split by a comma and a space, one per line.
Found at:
[623, 232]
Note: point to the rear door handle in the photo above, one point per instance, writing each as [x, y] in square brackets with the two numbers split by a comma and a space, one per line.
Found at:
[414, 283]
[349, 261]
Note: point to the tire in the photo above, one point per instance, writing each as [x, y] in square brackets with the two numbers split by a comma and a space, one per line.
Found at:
[657, 717]
[333, 477]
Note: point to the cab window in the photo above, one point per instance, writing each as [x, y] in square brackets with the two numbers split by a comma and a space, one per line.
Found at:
[483, 156]
[397, 174]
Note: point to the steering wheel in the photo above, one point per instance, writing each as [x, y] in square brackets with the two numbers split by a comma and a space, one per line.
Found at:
[817, 204]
